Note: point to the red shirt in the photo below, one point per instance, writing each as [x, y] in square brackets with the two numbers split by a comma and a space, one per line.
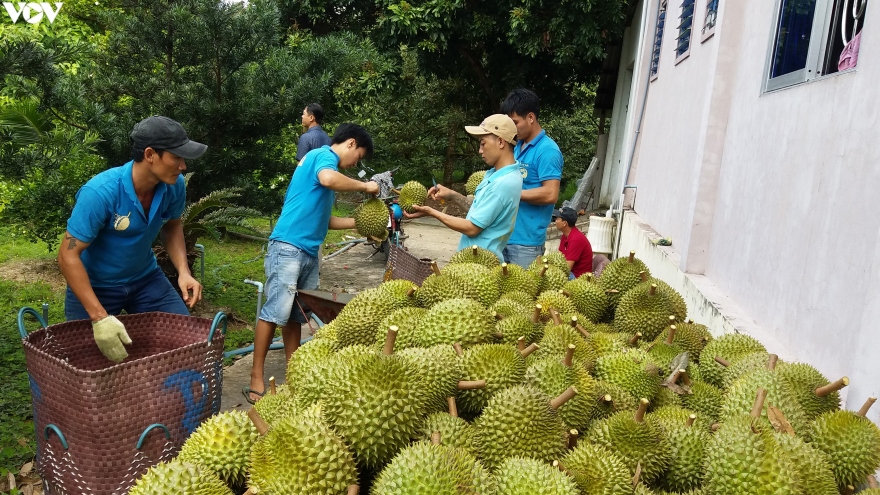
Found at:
[577, 248]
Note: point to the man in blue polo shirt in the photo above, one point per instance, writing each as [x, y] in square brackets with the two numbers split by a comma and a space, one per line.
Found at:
[493, 213]
[107, 256]
[541, 167]
[314, 137]
[292, 259]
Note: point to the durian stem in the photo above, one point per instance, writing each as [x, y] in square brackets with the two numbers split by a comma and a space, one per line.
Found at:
[849, 490]
[671, 336]
[607, 398]
[536, 314]
[589, 276]
[691, 419]
[643, 408]
[475, 251]
[353, 489]
[564, 397]
[653, 291]
[569, 356]
[566, 293]
[723, 362]
[691, 321]
[435, 438]
[872, 481]
[612, 291]
[504, 269]
[471, 384]
[557, 319]
[635, 339]
[250, 491]
[868, 403]
[521, 343]
[453, 408]
[390, 337]
[643, 275]
[758, 405]
[259, 423]
[572, 438]
[272, 387]
[632, 256]
[675, 376]
[685, 378]
[374, 239]
[528, 350]
[544, 270]
[499, 335]
[771, 362]
[832, 387]
[411, 292]
[672, 319]
[558, 465]
[458, 349]
[581, 329]
[715, 427]
[435, 268]
[497, 316]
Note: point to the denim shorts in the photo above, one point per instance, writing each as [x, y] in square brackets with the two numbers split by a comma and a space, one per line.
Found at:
[288, 268]
[522, 255]
[151, 293]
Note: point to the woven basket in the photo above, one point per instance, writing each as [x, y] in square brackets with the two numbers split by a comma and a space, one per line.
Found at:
[101, 425]
[402, 265]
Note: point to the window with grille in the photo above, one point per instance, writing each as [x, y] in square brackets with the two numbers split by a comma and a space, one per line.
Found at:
[686, 22]
[658, 39]
[711, 16]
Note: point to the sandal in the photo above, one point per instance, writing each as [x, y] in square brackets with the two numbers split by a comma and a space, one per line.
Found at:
[246, 391]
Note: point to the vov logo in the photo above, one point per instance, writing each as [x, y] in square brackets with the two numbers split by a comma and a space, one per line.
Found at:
[32, 12]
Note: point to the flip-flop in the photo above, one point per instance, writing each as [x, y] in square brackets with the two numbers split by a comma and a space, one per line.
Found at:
[246, 391]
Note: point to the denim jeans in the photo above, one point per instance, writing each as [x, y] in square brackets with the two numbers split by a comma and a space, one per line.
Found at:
[288, 268]
[522, 255]
[151, 293]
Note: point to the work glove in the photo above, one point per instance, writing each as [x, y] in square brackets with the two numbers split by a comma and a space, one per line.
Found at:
[110, 334]
[385, 184]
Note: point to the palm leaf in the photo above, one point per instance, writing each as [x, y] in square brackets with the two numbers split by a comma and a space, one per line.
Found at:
[25, 123]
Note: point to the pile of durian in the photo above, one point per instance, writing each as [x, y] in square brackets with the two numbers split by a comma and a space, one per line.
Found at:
[497, 380]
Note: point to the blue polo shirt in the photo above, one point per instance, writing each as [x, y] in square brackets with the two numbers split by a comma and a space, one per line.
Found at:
[312, 139]
[109, 215]
[305, 216]
[540, 160]
[496, 202]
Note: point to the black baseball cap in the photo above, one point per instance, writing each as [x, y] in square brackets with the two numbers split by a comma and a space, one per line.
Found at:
[567, 214]
[162, 133]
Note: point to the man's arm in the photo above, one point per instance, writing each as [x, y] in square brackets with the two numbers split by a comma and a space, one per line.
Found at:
[335, 181]
[74, 272]
[461, 225]
[172, 238]
[547, 194]
[338, 223]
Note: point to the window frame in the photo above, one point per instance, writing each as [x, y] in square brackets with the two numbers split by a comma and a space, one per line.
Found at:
[658, 31]
[815, 54]
[707, 31]
[687, 53]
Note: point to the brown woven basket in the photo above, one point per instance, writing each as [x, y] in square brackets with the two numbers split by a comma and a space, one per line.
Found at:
[403, 265]
[100, 425]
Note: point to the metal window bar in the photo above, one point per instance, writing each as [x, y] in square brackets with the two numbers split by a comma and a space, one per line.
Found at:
[684, 28]
[658, 40]
[711, 15]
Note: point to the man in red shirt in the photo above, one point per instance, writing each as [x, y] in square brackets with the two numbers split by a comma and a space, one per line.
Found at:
[573, 244]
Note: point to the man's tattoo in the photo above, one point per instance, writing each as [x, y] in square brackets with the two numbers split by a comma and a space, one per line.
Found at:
[72, 243]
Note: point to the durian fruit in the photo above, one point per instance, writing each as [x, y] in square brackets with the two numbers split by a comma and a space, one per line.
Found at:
[554, 376]
[439, 370]
[438, 287]
[456, 320]
[669, 417]
[514, 278]
[664, 352]
[509, 307]
[403, 290]
[412, 194]
[222, 444]
[520, 296]
[704, 399]
[620, 276]
[598, 470]
[646, 309]
[685, 471]
[554, 299]
[305, 358]
[550, 278]
[607, 343]
[309, 391]
[522, 421]
[454, 431]
[813, 466]
[470, 187]
[356, 323]
[475, 254]
[512, 327]
[691, 337]
[631, 371]
[555, 259]
[813, 391]
[499, 365]
[428, 469]
[588, 297]
[327, 332]
[851, 442]
[301, 455]
[555, 344]
[638, 442]
[277, 405]
[743, 366]
[729, 347]
[665, 398]
[376, 403]
[371, 219]
[610, 399]
[179, 477]
[407, 322]
[479, 278]
[523, 476]
[741, 396]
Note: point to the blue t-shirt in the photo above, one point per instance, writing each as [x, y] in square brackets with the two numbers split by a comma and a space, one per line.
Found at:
[312, 139]
[496, 202]
[540, 160]
[109, 215]
[305, 216]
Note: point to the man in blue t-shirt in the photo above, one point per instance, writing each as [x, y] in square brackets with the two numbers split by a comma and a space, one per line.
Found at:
[541, 167]
[292, 259]
[107, 256]
[492, 215]
[314, 137]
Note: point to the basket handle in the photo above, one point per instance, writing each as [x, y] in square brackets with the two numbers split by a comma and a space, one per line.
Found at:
[57, 432]
[27, 310]
[219, 317]
[149, 429]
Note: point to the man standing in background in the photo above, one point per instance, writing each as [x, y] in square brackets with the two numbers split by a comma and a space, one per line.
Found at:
[541, 166]
[314, 137]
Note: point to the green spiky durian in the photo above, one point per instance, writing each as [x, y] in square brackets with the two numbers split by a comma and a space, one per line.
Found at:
[456, 320]
[550, 278]
[402, 290]
[302, 455]
[803, 380]
[691, 337]
[744, 457]
[512, 327]
[440, 371]
[598, 470]
[554, 299]
[646, 309]
[636, 441]
[306, 357]
[371, 219]
[631, 371]
[622, 275]
[470, 187]
[522, 476]
[500, 365]
[743, 366]
[555, 344]
[741, 395]
[665, 398]
[179, 477]
[851, 442]
[277, 406]
[412, 193]
[509, 307]
[552, 376]
[522, 297]
[519, 421]
[475, 254]
[479, 278]
[606, 343]
[669, 417]
[437, 288]
[611, 399]
[514, 278]
[356, 323]
[222, 444]
[454, 431]
[426, 469]
[704, 399]
[730, 347]
[588, 297]
[555, 259]
[407, 321]
[685, 471]
[813, 466]
[327, 332]
[311, 389]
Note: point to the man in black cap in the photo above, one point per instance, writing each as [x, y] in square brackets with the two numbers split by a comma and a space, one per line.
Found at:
[107, 256]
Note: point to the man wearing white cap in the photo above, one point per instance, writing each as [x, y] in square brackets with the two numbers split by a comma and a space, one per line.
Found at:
[492, 215]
